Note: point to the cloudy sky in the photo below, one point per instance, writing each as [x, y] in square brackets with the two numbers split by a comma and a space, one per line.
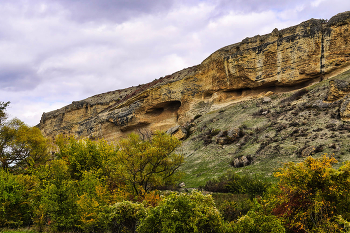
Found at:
[54, 52]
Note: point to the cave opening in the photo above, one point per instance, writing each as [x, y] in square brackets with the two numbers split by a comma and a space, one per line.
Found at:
[171, 106]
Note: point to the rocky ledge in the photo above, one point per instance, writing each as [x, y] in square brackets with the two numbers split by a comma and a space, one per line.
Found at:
[282, 60]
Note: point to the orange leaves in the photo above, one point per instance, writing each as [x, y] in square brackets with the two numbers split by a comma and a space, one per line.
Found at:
[309, 193]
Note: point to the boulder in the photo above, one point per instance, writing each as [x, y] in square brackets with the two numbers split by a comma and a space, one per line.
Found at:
[242, 161]
[178, 131]
[308, 151]
[181, 133]
[345, 109]
[266, 100]
[337, 90]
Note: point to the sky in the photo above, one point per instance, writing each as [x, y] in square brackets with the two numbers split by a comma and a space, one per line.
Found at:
[54, 52]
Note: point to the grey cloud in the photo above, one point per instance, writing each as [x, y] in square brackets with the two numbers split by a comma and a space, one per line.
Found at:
[256, 5]
[325, 10]
[18, 79]
[116, 10]
[304, 9]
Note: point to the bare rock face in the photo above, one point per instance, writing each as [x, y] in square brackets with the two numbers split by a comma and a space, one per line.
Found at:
[345, 109]
[310, 51]
[337, 90]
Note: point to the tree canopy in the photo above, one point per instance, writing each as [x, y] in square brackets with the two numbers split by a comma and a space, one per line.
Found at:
[147, 164]
[20, 145]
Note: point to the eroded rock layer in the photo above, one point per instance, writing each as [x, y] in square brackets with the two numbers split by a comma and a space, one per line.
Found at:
[282, 60]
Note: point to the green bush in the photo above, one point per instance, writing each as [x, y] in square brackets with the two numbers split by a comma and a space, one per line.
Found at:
[313, 195]
[232, 210]
[57, 199]
[234, 183]
[125, 216]
[85, 155]
[255, 222]
[15, 207]
[65, 204]
[193, 212]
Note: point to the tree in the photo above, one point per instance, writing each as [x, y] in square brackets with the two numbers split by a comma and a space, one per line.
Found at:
[3, 107]
[313, 196]
[21, 146]
[15, 206]
[56, 203]
[85, 155]
[145, 165]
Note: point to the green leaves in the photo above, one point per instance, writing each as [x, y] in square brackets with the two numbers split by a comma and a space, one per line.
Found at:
[125, 215]
[85, 155]
[145, 165]
[182, 212]
[136, 164]
[15, 194]
[21, 146]
[256, 222]
[312, 194]
[3, 106]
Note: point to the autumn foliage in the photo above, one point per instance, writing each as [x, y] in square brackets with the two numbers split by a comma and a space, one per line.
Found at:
[314, 197]
[95, 186]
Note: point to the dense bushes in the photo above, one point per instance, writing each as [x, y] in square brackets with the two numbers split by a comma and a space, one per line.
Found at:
[79, 189]
[313, 196]
[99, 187]
[257, 222]
[125, 216]
[182, 212]
[15, 196]
[234, 183]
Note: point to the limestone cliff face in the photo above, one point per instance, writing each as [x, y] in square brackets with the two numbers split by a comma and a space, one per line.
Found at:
[292, 57]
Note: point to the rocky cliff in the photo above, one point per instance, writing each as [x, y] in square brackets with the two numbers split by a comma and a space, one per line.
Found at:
[280, 61]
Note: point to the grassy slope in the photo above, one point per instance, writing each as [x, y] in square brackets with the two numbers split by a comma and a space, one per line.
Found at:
[286, 130]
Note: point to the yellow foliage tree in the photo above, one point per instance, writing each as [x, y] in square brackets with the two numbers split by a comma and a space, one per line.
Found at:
[21, 146]
[143, 165]
[313, 195]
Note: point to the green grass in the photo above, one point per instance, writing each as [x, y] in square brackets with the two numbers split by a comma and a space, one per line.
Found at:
[18, 231]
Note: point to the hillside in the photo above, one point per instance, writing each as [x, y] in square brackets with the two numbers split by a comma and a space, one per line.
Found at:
[260, 134]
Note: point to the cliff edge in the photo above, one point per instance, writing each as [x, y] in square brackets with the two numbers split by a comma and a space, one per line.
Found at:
[282, 60]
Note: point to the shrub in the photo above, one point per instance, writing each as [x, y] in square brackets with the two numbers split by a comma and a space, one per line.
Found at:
[125, 216]
[93, 199]
[297, 95]
[255, 222]
[234, 183]
[193, 212]
[312, 194]
[85, 155]
[15, 208]
[56, 203]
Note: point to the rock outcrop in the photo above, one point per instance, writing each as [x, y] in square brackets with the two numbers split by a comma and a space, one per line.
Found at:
[282, 60]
